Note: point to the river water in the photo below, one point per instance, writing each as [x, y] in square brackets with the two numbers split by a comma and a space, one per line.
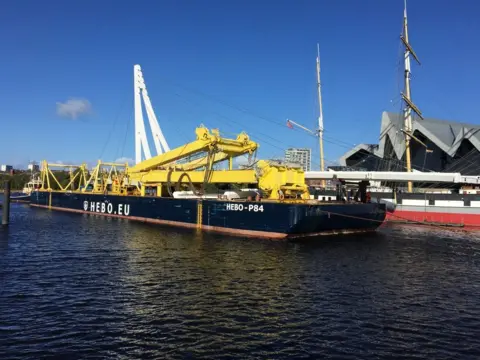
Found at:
[78, 287]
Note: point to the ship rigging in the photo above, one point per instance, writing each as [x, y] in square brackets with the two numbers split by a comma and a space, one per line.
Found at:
[409, 105]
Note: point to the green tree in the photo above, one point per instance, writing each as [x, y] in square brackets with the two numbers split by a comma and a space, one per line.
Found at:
[18, 180]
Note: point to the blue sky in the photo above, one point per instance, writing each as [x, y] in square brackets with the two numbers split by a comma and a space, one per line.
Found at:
[235, 65]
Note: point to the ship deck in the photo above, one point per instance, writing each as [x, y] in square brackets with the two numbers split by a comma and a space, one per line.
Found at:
[242, 200]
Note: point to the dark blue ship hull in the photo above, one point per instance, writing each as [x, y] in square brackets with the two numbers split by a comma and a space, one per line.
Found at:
[259, 219]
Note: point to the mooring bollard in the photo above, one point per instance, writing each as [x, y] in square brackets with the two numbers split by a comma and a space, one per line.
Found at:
[6, 203]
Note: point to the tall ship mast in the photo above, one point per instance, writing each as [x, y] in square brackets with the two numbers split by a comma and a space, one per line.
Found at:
[458, 204]
[320, 113]
[407, 96]
[320, 129]
[431, 206]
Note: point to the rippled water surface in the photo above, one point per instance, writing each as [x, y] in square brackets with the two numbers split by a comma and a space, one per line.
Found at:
[77, 287]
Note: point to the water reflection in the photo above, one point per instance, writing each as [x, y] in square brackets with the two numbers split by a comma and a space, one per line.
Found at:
[81, 285]
[4, 234]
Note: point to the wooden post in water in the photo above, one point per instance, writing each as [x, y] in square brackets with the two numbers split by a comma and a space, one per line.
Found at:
[6, 203]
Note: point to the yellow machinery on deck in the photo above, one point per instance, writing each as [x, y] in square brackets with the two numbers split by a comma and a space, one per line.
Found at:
[176, 169]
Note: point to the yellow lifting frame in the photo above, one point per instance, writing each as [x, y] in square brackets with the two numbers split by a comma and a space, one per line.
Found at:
[46, 173]
[276, 179]
[209, 141]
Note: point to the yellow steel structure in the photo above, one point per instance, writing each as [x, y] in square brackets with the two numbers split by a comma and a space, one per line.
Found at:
[103, 177]
[166, 170]
[196, 177]
[47, 176]
[281, 181]
[207, 141]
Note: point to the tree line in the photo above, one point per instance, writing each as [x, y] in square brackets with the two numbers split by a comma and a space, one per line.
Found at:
[20, 179]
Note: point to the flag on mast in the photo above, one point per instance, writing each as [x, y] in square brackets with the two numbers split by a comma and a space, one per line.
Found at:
[289, 124]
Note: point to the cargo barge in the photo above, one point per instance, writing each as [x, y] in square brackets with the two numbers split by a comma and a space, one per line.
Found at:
[263, 219]
[187, 187]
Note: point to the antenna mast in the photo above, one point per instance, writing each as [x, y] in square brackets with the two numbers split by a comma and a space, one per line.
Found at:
[409, 105]
[320, 116]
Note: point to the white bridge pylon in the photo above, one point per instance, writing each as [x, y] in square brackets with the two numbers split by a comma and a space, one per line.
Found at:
[141, 142]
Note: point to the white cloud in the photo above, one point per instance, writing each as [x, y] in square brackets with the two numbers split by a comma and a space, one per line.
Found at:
[73, 108]
[123, 160]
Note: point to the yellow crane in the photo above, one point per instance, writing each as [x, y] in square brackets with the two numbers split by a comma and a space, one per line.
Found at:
[206, 141]
[156, 176]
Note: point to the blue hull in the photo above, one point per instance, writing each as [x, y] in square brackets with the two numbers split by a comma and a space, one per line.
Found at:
[19, 197]
[260, 219]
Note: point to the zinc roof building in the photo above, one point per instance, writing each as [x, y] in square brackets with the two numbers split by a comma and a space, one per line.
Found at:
[452, 147]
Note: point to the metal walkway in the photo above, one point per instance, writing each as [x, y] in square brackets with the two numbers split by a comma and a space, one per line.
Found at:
[394, 176]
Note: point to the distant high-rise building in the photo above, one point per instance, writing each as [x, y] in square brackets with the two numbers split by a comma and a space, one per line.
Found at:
[303, 157]
[6, 168]
[33, 166]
